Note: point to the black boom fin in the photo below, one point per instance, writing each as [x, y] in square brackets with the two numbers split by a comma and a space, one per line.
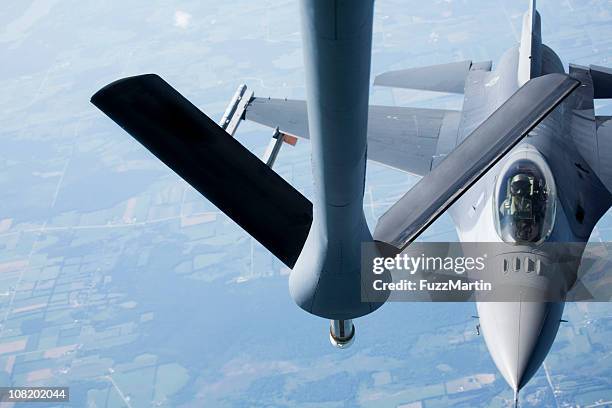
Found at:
[212, 161]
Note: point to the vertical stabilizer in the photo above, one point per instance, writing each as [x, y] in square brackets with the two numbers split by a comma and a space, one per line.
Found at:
[530, 49]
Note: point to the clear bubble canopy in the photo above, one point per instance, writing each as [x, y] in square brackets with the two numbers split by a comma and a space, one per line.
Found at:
[525, 198]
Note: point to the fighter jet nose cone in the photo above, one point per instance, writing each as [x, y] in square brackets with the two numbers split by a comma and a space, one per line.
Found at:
[518, 336]
[516, 398]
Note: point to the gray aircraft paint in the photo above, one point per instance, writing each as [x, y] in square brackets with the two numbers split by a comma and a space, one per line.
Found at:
[326, 278]
[518, 335]
[570, 142]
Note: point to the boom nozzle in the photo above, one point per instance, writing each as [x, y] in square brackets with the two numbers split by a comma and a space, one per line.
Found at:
[341, 333]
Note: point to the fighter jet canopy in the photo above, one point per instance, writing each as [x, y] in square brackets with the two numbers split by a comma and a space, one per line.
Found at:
[524, 203]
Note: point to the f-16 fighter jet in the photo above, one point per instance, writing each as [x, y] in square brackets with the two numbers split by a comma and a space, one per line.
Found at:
[525, 162]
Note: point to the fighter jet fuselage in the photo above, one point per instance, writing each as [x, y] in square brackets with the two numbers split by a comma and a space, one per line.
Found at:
[541, 192]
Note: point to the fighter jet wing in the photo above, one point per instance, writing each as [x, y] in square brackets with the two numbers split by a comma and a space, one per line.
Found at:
[408, 139]
[592, 134]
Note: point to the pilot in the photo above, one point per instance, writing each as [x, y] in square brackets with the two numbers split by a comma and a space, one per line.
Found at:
[518, 205]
